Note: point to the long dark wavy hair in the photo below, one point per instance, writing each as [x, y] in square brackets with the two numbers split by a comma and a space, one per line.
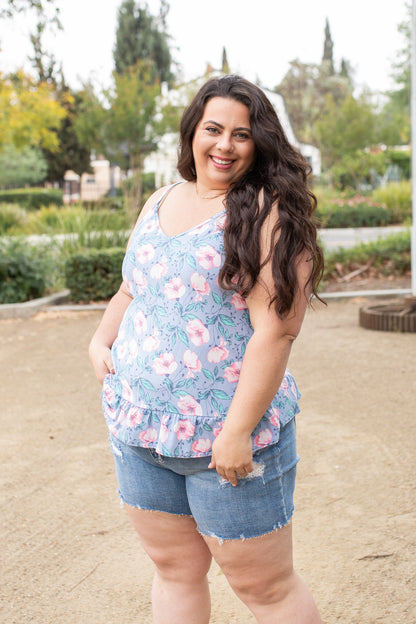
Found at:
[279, 173]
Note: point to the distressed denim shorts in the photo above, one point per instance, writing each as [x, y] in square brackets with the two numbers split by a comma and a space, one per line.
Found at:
[260, 503]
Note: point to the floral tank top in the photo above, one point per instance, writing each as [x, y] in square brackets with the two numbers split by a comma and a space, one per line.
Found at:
[180, 346]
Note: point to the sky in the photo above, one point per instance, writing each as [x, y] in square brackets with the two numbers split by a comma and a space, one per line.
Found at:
[261, 37]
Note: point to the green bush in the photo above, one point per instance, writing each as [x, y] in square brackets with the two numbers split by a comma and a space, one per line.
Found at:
[342, 211]
[74, 220]
[32, 198]
[12, 218]
[397, 197]
[25, 271]
[94, 275]
[389, 256]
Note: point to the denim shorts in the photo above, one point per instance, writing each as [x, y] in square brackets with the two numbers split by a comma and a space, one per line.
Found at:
[260, 503]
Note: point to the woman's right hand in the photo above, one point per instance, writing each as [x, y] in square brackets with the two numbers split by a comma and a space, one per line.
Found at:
[101, 360]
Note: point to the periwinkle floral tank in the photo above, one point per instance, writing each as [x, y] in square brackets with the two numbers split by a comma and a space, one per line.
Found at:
[180, 346]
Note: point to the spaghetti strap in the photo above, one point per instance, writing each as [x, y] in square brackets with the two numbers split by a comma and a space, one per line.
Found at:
[170, 187]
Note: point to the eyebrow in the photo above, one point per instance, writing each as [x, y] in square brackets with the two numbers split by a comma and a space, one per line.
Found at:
[208, 121]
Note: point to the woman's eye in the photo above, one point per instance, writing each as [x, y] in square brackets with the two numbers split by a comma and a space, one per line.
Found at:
[243, 136]
[212, 130]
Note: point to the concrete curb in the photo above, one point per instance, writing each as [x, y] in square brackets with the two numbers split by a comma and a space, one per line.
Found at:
[29, 308]
[57, 302]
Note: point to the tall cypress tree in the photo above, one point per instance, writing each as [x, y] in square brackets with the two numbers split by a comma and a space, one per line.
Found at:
[328, 54]
[142, 36]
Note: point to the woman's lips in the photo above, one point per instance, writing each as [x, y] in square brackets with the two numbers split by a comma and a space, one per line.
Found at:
[222, 163]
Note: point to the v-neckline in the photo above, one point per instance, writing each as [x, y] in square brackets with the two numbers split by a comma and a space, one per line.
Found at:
[194, 227]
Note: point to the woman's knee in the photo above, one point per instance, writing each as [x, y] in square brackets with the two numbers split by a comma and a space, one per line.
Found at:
[259, 568]
[173, 543]
[191, 564]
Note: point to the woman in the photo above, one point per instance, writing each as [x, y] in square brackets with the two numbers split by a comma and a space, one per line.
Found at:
[192, 352]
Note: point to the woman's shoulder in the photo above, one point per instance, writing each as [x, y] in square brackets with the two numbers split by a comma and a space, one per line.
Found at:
[152, 200]
[156, 197]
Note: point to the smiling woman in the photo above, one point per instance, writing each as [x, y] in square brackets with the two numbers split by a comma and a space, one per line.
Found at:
[222, 146]
[196, 394]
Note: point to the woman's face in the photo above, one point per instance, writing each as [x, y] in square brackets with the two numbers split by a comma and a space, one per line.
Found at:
[223, 146]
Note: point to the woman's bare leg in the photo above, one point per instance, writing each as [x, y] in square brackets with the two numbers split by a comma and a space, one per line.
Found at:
[180, 593]
[260, 571]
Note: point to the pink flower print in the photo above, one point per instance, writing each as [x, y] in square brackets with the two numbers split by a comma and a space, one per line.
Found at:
[293, 389]
[188, 406]
[122, 350]
[109, 394]
[165, 364]
[148, 436]
[220, 223]
[217, 430]
[285, 386]
[232, 373]
[201, 446]
[151, 343]
[145, 253]
[163, 433]
[238, 302]
[199, 283]
[158, 270]
[175, 288]
[133, 349]
[139, 280]
[263, 438]
[274, 418]
[149, 226]
[216, 354]
[110, 412]
[127, 284]
[191, 362]
[208, 257]
[184, 429]
[197, 332]
[126, 392]
[135, 416]
[140, 322]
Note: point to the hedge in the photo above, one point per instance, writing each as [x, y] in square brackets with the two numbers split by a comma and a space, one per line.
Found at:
[389, 256]
[95, 274]
[25, 271]
[356, 216]
[32, 198]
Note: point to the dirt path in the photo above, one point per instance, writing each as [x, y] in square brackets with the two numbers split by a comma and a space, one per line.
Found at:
[69, 555]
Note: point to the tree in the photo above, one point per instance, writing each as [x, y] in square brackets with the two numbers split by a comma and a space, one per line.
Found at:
[71, 153]
[131, 127]
[92, 119]
[327, 56]
[19, 6]
[225, 68]
[44, 62]
[29, 113]
[395, 116]
[141, 36]
[305, 88]
[21, 167]
[345, 130]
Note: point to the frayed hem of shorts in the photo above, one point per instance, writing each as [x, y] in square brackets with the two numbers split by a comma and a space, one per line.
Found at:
[242, 538]
[151, 510]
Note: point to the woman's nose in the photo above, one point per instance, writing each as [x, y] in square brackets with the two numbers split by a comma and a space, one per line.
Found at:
[225, 142]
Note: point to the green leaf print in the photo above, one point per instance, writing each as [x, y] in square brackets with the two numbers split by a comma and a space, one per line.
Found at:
[217, 298]
[182, 336]
[190, 260]
[220, 394]
[227, 320]
[147, 385]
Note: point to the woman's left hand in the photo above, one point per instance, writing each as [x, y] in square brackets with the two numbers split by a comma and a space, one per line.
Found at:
[232, 456]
